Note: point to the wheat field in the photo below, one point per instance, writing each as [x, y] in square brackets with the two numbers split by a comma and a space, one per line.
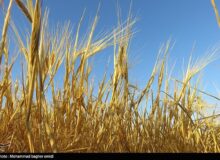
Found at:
[76, 119]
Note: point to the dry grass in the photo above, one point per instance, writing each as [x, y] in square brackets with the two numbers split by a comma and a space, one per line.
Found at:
[111, 121]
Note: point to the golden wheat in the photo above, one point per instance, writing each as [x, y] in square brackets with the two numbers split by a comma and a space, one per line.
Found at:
[78, 120]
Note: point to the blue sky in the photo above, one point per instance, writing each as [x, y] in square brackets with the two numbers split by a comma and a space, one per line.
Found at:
[187, 22]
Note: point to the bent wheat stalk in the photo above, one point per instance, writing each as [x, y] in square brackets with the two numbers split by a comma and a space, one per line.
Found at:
[32, 66]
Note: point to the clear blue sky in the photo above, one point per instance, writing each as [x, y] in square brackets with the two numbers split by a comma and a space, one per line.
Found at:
[187, 22]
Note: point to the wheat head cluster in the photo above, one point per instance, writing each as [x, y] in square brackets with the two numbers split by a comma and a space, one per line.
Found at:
[120, 117]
